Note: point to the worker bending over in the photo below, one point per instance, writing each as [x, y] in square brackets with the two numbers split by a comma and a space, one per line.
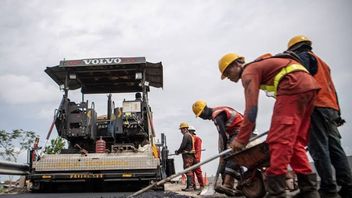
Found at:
[227, 121]
[295, 90]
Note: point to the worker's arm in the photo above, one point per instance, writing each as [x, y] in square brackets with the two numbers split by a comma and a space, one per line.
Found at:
[219, 121]
[185, 140]
[251, 91]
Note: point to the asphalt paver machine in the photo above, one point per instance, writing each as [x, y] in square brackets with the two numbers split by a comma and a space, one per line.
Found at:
[117, 147]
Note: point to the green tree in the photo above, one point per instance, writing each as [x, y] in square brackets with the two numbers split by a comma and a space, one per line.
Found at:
[13, 143]
[56, 146]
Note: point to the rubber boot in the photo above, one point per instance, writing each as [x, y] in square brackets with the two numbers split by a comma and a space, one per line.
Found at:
[227, 187]
[345, 191]
[194, 182]
[189, 186]
[308, 186]
[276, 186]
[195, 187]
[329, 194]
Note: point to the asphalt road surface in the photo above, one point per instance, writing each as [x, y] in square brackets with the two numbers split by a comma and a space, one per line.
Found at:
[171, 191]
[94, 195]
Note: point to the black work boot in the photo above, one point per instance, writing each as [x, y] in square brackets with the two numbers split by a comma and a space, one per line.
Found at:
[227, 187]
[195, 187]
[307, 185]
[189, 186]
[276, 185]
[345, 191]
[329, 194]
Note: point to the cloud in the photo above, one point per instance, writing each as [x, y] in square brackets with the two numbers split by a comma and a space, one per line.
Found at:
[187, 36]
[20, 89]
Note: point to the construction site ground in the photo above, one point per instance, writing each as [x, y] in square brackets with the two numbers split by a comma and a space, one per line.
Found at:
[172, 190]
[207, 192]
[177, 188]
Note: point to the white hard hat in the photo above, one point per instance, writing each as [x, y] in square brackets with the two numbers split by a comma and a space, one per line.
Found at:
[191, 128]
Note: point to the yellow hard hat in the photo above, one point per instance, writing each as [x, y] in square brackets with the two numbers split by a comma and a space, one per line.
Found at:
[226, 60]
[198, 107]
[184, 125]
[297, 39]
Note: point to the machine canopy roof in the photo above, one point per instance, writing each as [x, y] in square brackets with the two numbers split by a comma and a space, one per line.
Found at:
[107, 75]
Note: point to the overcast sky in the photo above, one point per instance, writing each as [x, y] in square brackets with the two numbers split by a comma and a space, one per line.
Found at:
[187, 36]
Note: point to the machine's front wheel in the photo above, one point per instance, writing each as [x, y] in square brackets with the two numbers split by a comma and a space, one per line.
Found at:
[42, 187]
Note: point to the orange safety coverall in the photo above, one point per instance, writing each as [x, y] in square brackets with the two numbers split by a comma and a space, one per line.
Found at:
[288, 134]
[197, 154]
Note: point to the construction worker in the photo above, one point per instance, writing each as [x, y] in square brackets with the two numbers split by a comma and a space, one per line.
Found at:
[198, 153]
[324, 144]
[295, 90]
[227, 121]
[187, 150]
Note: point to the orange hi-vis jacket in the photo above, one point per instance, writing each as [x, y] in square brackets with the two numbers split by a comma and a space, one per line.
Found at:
[234, 119]
[327, 95]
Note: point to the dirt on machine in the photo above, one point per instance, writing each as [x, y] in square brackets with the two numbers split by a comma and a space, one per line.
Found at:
[117, 149]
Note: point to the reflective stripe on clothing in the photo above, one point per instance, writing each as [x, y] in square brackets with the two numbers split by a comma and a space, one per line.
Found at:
[286, 70]
[264, 72]
[193, 151]
[187, 145]
[233, 119]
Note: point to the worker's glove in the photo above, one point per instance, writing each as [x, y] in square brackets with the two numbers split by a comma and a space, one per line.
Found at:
[176, 152]
[236, 146]
[339, 121]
